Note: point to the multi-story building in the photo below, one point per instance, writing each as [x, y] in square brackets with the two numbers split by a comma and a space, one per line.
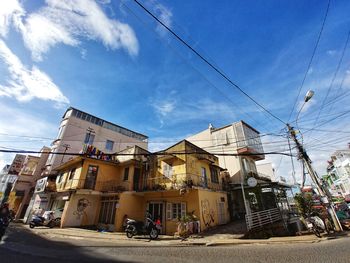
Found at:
[77, 130]
[252, 195]
[241, 139]
[9, 176]
[23, 188]
[338, 173]
[170, 184]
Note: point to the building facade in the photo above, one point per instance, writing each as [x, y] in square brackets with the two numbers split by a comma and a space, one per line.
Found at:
[77, 130]
[338, 174]
[170, 185]
[241, 139]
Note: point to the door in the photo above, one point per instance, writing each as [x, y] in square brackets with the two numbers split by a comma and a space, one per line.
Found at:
[91, 176]
[137, 173]
[156, 209]
[221, 213]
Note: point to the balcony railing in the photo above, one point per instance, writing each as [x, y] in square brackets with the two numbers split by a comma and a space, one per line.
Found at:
[181, 181]
[101, 186]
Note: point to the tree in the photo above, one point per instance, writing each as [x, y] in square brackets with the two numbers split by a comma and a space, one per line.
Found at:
[304, 204]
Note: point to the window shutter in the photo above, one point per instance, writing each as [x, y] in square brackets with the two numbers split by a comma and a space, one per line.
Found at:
[168, 211]
[183, 209]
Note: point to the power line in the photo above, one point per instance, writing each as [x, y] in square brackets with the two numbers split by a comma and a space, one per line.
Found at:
[145, 154]
[185, 60]
[311, 59]
[207, 62]
[334, 77]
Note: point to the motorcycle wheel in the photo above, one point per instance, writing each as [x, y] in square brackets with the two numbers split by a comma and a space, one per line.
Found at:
[31, 225]
[316, 232]
[51, 224]
[154, 233]
[129, 234]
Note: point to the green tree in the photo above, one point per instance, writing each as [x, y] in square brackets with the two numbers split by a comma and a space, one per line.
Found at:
[304, 204]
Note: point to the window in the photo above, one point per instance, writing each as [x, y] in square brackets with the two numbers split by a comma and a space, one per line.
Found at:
[167, 170]
[59, 178]
[126, 173]
[71, 174]
[108, 209]
[175, 210]
[89, 138]
[109, 145]
[204, 179]
[61, 131]
[214, 175]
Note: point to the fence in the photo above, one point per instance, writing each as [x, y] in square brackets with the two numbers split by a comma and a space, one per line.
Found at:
[261, 218]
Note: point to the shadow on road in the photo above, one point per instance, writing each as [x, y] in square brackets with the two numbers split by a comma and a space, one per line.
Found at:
[20, 242]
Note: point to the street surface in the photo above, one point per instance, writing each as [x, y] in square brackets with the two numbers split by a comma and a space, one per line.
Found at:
[22, 245]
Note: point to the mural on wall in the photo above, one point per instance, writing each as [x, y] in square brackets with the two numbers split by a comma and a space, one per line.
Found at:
[80, 213]
[207, 213]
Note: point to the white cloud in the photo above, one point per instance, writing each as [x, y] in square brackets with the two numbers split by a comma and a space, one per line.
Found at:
[26, 84]
[66, 22]
[164, 15]
[10, 10]
[15, 121]
[174, 110]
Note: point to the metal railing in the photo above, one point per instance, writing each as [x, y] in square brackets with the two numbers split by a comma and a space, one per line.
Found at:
[261, 218]
[102, 186]
[181, 180]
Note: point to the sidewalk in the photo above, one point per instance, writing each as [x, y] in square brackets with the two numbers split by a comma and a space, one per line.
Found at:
[120, 239]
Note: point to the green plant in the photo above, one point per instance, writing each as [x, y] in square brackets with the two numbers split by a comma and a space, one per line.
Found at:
[304, 204]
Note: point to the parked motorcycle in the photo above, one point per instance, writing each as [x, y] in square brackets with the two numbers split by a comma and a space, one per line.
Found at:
[316, 225]
[134, 228]
[48, 221]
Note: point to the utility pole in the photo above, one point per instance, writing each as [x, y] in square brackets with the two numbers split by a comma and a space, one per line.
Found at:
[66, 147]
[327, 200]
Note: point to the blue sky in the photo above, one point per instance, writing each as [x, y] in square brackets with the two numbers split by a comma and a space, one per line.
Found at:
[111, 59]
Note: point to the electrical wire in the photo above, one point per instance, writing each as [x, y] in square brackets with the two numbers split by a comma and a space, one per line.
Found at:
[161, 153]
[311, 59]
[185, 60]
[221, 73]
[333, 78]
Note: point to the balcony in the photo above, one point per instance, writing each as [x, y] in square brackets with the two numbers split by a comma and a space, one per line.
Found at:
[248, 140]
[181, 181]
[112, 186]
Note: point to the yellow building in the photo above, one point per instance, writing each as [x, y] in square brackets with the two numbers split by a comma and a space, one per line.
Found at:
[179, 181]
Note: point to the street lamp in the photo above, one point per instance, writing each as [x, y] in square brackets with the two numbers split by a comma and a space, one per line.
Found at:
[308, 96]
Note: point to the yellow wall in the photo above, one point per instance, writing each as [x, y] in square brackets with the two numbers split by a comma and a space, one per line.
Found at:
[78, 216]
[131, 205]
[209, 214]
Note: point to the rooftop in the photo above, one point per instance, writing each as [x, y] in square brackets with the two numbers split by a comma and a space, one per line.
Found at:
[103, 123]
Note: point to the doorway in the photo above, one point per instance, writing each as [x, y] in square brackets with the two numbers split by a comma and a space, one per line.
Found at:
[137, 173]
[156, 209]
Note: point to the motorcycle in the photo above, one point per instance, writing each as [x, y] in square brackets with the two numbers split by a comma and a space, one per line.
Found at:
[316, 225]
[134, 228]
[49, 220]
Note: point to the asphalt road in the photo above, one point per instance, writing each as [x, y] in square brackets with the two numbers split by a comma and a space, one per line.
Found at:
[22, 246]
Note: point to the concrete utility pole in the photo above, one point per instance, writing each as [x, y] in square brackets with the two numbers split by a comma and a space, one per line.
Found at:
[327, 200]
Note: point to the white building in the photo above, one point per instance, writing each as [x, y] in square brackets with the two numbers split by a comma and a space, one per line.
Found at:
[78, 128]
[237, 138]
[339, 172]
[266, 169]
